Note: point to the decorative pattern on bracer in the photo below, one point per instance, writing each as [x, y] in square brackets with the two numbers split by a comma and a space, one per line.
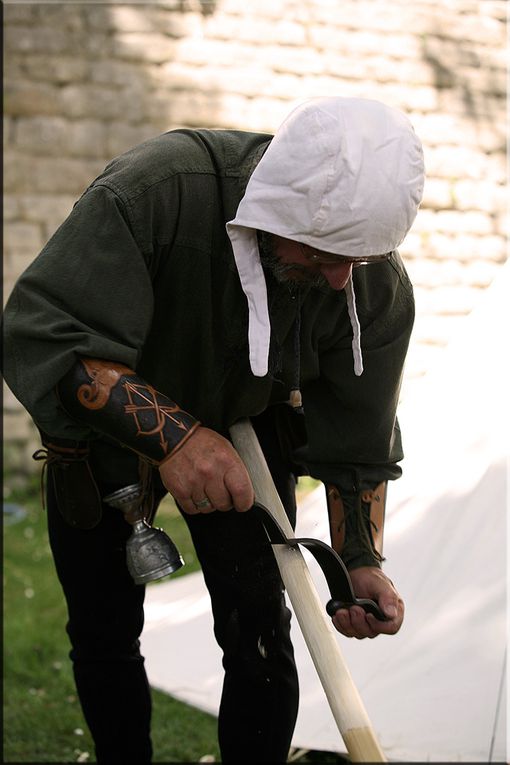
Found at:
[112, 399]
[95, 395]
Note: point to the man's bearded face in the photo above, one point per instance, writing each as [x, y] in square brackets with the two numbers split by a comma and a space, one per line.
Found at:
[294, 275]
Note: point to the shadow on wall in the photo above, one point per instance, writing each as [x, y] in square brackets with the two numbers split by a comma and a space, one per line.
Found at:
[206, 6]
[86, 82]
[197, 71]
[468, 81]
[230, 73]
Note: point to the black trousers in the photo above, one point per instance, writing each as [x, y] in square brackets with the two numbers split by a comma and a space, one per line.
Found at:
[251, 622]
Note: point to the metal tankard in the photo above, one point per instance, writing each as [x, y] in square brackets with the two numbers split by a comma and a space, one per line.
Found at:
[150, 553]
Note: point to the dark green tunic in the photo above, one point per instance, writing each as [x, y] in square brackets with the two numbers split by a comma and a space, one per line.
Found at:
[142, 273]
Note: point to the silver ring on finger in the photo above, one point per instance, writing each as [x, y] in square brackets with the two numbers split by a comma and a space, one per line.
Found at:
[203, 504]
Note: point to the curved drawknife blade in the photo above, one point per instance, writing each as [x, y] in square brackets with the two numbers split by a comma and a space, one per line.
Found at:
[333, 567]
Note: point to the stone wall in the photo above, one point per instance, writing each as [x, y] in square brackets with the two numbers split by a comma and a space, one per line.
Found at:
[85, 81]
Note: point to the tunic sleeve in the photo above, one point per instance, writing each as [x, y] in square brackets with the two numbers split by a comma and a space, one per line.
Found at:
[88, 293]
[354, 438]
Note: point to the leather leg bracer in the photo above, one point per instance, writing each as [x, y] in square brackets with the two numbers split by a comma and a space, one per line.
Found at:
[356, 524]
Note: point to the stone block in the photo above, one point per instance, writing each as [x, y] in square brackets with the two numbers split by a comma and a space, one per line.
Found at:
[22, 237]
[459, 161]
[253, 28]
[361, 42]
[45, 135]
[493, 248]
[182, 24]
[142, 19]
[99, 102]
[25, 98]
[393, 94]
[463, 222]
[64, 175]
[11, 207]
[466, 247]
[463, 100]
[87, 138]
[378, 68]
[70, 17]
[421, 98]
[438, 194]
[302, 61]
[152, 47]
[193, 108]
[171, 18]
[479, 195]
[446, 300]
[445, 129]
[245, 80]
[56, 69]
[50, 210]
[268, 9]
[479, 28]
[287, 86]
[21, 14]
[14, 68]
[36, 39]
[186, 107]
[286, 59]
[375, 17]
[122, 136]
[98, 45]
[100, 19]
[116, 74]
[429, 273]
[18, 169]
[262, 114]
[480, 273]
[497, 9]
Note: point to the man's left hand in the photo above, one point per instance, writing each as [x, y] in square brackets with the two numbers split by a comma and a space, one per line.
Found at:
[371, 582]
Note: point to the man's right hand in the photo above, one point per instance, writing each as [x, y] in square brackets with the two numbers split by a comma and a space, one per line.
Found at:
[207, 467]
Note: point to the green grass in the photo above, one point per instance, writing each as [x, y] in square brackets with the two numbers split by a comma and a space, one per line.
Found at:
[42, 716]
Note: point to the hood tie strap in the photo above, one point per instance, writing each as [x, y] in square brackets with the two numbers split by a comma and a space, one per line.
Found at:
[295, 398]
[356, 329]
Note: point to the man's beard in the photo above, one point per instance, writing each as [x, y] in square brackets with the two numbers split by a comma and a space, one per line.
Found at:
[285, 273]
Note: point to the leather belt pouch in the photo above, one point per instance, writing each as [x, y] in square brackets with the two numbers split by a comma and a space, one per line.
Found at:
[76, 493]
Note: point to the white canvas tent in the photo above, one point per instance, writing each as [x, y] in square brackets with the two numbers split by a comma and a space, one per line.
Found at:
[437, 690]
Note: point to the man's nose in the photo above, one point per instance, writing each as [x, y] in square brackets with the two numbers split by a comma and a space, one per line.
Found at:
[336, 274]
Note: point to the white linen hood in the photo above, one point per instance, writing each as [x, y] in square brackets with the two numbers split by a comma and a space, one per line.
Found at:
[343, 175]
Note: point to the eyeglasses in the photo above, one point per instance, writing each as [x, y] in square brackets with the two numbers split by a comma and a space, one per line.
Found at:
[315, 256]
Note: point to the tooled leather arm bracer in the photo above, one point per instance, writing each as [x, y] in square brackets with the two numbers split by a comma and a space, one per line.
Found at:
[112, 399]
[356, 524]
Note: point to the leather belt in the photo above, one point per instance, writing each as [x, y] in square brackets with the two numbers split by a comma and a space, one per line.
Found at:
[333, 567]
